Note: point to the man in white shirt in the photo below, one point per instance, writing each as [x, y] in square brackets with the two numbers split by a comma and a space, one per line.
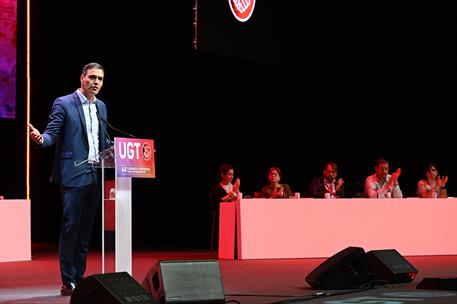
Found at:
[382, 184]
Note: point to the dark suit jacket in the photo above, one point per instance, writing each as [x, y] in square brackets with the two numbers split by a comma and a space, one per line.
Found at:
[67, 130]
[317, 189]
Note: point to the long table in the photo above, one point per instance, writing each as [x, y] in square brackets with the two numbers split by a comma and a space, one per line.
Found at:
[310, 228]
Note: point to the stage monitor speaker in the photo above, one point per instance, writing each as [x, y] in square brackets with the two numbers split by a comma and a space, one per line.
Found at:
[110, 288]
[390, 266]
[444, 283]
[347, 269]
[191, 281]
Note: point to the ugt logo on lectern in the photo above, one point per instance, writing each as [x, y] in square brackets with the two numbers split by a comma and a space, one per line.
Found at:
[129, 150]
[242, 9]
[147, 151]
[134, 157]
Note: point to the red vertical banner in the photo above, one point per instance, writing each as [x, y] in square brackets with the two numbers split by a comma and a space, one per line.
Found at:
[134, 157]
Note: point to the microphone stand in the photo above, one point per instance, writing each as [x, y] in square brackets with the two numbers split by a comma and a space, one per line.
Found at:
[105, 154]
[115, 129]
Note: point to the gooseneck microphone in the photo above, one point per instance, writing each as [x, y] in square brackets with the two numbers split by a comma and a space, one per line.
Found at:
[115, 129]
[103, 127]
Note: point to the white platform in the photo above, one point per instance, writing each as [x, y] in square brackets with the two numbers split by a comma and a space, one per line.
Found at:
[312, 228]
[15, 231]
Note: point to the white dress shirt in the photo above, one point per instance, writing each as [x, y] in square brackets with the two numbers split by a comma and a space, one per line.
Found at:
[378, 189]
[92, 125]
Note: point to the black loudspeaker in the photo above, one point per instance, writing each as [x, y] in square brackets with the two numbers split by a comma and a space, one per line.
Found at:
[390, 266]
[348, 269]
[191, 281]
[110, 288]
[447, 283]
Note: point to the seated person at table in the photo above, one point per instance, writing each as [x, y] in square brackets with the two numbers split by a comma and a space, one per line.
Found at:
[433, 186]
[275, 189]
[382, 184]
[327, 183]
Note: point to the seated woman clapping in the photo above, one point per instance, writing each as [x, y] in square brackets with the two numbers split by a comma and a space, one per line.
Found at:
[275, 189]
[433, 186]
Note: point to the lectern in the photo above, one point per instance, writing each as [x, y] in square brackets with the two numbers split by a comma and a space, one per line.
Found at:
[130, 158]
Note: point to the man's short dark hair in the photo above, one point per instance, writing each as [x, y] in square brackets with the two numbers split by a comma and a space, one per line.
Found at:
[92, 65]
[334, 166]
[381, 161]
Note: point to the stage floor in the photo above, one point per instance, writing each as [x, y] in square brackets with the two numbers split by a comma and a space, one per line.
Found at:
[247, 281]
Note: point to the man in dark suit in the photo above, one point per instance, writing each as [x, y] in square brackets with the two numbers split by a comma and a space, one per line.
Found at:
[327, 186]
[77, 127]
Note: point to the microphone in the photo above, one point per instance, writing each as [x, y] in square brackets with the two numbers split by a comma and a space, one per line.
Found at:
[115, 129]
[103, 127]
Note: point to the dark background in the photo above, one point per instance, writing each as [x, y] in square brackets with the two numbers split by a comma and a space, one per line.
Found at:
[352, 83]
[258, 38]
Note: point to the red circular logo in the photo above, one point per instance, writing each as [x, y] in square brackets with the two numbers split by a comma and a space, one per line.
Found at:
[147, 151]
[242, 9]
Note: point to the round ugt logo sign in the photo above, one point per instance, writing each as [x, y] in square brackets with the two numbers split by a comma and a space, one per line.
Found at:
[147, 151]
[242, 9]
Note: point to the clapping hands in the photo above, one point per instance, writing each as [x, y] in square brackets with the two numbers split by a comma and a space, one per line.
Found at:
[234, 192]
[393, 181]
[278, 192]
[339, 184]
[441, 181]
[236, 186]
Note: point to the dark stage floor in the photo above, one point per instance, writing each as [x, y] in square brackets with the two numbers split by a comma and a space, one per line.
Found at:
[247, 281]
